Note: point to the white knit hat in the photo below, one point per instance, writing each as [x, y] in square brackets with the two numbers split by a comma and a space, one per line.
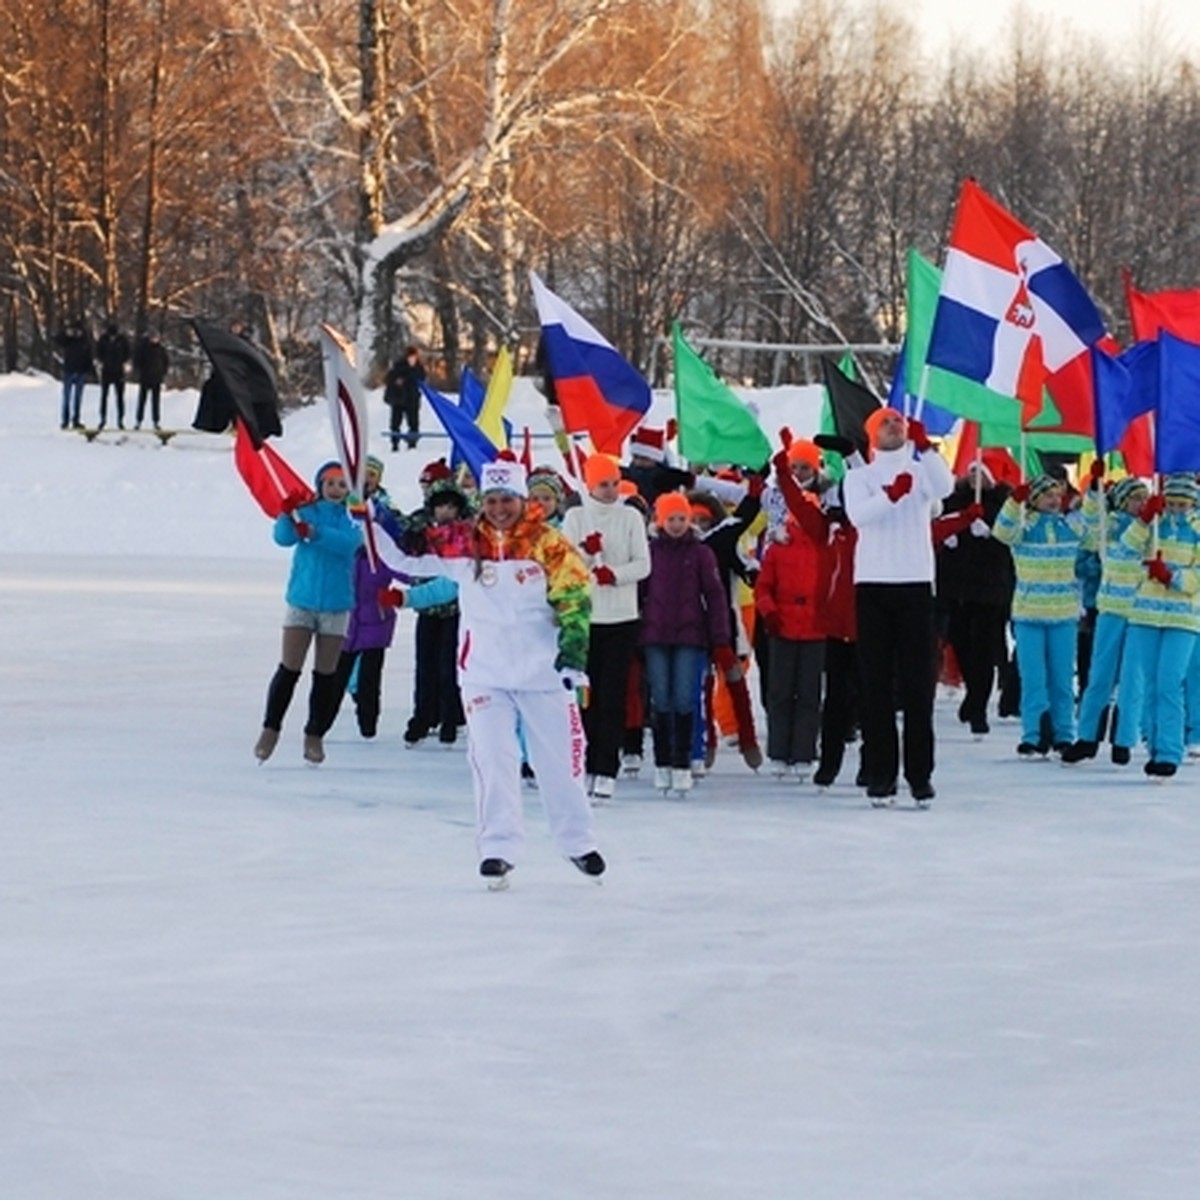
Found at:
[503, 476]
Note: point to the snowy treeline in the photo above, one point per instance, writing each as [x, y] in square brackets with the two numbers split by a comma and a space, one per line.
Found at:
[397, 167]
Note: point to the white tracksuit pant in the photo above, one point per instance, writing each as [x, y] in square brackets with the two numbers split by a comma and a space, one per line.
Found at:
[554, 736]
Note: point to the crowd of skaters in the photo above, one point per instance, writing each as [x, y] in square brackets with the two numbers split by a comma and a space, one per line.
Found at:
[561, 620]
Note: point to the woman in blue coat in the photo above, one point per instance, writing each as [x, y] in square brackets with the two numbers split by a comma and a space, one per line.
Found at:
[319, 597]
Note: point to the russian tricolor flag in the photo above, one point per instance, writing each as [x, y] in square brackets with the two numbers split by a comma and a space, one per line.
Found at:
[598, 391]
[1011, 315]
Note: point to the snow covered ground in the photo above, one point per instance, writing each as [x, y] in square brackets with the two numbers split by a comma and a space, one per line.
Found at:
[222, 981]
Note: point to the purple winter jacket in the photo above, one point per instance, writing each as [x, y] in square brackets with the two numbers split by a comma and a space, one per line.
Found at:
[371, 626]
[683, 602]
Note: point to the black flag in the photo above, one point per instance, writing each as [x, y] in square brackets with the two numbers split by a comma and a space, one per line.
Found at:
[242, 385]
[851, 403]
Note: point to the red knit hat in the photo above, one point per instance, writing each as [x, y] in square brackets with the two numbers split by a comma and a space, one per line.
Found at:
[648, 443]
[435, 471]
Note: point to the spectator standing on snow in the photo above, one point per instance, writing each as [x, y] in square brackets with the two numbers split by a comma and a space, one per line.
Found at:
[150, 364]
[113, 353]
[75, 345]
[891, 501]
[402, 394]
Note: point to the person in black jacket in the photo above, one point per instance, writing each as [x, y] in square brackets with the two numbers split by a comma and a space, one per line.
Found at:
[150, 361]
[402, 394]
[113, 352]
[75, 343]
[975, 581]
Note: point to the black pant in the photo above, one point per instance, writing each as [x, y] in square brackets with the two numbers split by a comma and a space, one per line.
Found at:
[437, 702]
[368, 694]
[610, 651]
[896, 654]
[154, 391]
[118, 387]
[977, 633]
[405, 411]
[839, 713]
[794, 699]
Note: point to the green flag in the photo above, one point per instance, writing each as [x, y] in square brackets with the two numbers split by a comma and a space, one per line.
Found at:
[714, 425]
[954, 393]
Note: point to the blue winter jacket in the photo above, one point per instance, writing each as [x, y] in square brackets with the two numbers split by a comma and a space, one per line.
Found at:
[322, 575]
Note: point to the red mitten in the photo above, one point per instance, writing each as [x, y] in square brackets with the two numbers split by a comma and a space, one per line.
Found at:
[725, 658]
[390, 598]
[774, 623]
[1021, 493]
[755, 484]
[1155, 506]
[785, 437]
[973, 512]
[303, 530]
[918, 436]
[1096, 472]
[604, 575]
[593, 543]
[900, 486]
[1159, 571]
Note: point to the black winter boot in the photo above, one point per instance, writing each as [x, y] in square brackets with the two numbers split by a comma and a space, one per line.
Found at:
[660, 726]
[681, 740]
[323, 699]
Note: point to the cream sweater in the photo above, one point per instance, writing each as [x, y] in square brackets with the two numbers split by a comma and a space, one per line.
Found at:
[624, 549]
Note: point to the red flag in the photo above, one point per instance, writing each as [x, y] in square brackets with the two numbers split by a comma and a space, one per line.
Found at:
[527, 451]
[968, 448]
[1177, 312]
[276, 487]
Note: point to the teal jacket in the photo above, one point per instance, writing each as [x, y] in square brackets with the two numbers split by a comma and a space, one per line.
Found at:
[322, 575]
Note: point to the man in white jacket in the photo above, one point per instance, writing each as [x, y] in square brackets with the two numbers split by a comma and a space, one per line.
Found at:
[611, 536]
[891, 501]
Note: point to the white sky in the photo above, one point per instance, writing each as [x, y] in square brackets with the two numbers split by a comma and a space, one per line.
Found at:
[1118, 22]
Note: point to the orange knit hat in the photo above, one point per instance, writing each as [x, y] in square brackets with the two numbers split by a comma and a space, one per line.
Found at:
[671, 504]
[600, 468]
[872, 423]
[802, 450]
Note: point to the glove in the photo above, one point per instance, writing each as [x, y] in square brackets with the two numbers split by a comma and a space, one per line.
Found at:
[390, 598]
[1021, 493]
[1096, 471]
[1155, 506]
[604, 576]
[951, 543]
[918, 436]
[774, 623]
[304, 531]
[973, 512]
[578, 682]
[727, 663]
[980, 528]
[785, 438]
[831, 441]
[755, 484]
[593, 543]
[1159, 571]
[900, 486]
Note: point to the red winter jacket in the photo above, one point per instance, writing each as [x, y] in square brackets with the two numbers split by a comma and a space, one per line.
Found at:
[792, 586]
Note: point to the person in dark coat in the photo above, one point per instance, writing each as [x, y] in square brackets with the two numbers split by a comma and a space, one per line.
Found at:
[113, 352]
[75, 344]
[150, 361]
[402, 394]
[975, 581]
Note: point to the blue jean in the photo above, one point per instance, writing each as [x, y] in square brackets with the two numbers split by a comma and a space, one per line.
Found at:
[1158, 661]
[671, 673]
[1046, 660]
[72, 396]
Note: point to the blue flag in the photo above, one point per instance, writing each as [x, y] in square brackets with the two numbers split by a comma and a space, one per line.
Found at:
[1177, 441]
[467, 439]
[1124, 387]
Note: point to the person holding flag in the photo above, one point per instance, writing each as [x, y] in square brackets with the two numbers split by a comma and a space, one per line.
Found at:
[320, 597]
[1163, 624]
[891, 502]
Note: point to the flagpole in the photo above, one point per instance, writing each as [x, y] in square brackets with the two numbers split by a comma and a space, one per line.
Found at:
[1024, 472]
[920, 393]
[1154, 531]
[1103, 513]
[978, 474]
